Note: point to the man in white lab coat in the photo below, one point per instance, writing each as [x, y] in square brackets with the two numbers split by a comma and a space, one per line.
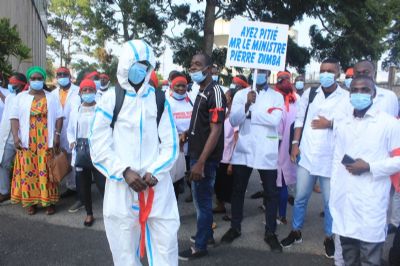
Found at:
[316, 149]
[140, 209]
[258, 115]
[367, 146]
[68, 95]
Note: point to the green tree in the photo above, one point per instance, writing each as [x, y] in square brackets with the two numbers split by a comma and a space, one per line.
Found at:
[66, 35]
[393, 41]
[351, 30]
[10, 45]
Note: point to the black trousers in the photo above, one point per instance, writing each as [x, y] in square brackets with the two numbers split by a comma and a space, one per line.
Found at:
[223, 183]
[241, 176]
[84, 178]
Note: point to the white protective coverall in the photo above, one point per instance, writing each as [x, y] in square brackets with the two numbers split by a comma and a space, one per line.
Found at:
[134, 143]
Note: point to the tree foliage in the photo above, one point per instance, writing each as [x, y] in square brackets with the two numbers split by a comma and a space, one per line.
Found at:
[351, 30]
[10, 45]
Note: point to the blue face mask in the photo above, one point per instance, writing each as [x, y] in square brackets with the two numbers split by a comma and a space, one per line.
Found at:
[326, 79]
[178, 96]
[137, 73]
[11, 88]
[198, 76]
[299, 85]
[347, 82]
[261, 78]
[215, 78]
[36, 85]
[63, 82]
[98, 84]
[360, 101]
[88, 97]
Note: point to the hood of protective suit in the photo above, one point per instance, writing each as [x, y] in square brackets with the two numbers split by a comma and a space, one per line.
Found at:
[134, 51]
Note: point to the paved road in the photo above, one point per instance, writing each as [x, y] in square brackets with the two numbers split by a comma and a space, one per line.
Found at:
[62, 240]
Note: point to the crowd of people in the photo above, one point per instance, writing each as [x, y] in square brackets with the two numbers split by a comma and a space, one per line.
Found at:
[142, 144]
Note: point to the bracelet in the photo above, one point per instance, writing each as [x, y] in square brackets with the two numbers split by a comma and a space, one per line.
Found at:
[295, 142]
[57, 133]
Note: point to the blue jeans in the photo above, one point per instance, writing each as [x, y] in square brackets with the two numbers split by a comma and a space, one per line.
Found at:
[304, 187]
[5, 168]
[202, 191]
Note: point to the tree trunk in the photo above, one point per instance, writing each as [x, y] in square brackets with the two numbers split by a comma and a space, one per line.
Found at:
[209, 21]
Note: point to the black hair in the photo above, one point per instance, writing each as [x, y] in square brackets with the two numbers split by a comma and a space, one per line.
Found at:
[207, 59]
[330, 60]
[364, 77]
[366, 61]
[20, 76]
[172, 74]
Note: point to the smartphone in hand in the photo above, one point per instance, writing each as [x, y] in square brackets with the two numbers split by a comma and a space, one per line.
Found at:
[347, 160]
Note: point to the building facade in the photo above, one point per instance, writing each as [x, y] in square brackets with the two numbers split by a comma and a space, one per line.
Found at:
[31, 20]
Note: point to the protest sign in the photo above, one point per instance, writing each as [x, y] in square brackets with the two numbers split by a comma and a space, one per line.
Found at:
[257, 45]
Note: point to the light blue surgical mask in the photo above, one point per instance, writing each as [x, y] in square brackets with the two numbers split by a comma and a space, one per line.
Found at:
[11, 88]
[137, 73]
[98, 84]
[63, 82]
[261, 78]
[299, 85]
[326, 79]
[198, 76]
[88, 97]
[215, 78]
[360, 101]
[347, 82]
[178, 96]
[36, 85]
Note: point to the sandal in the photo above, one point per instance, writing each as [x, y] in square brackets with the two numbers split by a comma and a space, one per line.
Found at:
[32, 210]
[50, 210]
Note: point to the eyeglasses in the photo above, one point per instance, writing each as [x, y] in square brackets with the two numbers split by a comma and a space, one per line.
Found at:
[36, 78]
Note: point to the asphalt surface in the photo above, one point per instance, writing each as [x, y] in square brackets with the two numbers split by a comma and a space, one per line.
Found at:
[61, 239]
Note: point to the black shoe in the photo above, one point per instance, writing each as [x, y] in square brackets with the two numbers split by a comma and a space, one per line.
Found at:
[290, 200]
[191, 254]
[210, 242]
[229, 236]
[258, 195]
[68, 193]
[329, 247]
[322, 214]
[293, 238]
[272, 241]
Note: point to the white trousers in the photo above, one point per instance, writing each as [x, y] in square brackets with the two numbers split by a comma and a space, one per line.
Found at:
[123, 234]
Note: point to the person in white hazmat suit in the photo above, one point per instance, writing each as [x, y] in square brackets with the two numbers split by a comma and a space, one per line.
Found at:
[136, 157]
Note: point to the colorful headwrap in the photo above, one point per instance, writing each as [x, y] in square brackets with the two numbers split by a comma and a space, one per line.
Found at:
[104, 76]
[63, 70]
[15, 80]
[91, 75]
[179, 79]
[87, 83]
[35, 69]
[350, 72]
[283, 73]
[240, 82]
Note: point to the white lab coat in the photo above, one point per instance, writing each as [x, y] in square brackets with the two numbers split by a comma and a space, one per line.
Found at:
[5, 92]
[73, 100]
[5, 125]
[358, 204]
[386, 100]
[316, 147]
[257, 146]
[21, 111]
[73, 127]
[134, 143]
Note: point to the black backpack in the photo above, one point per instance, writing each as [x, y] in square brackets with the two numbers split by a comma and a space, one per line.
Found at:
[119, 101]
[313, 92]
